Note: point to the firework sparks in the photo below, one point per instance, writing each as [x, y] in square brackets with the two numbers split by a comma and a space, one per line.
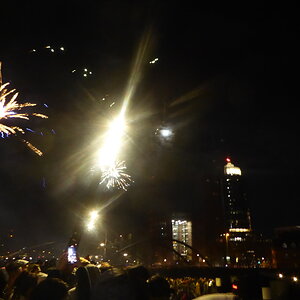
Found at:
[115, 176]
[33, 148]
[11, 109]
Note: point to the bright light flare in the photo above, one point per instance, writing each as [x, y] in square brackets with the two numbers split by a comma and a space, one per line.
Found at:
[91, 223]
[166, 132]
[108, 154]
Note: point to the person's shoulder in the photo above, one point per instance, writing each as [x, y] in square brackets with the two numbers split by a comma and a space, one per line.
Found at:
[217, 296]
[72, 295]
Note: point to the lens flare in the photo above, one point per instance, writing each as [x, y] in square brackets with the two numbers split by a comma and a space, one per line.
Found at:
[113, 173]
[91, 223]
[108, 154]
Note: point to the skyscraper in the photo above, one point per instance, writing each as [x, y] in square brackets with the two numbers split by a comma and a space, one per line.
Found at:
[236, 212]
[237, 232]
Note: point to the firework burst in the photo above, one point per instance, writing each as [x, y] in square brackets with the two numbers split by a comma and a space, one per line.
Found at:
[115, 175]
[11, 109]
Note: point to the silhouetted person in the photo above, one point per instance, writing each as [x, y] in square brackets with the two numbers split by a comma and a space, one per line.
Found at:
[50, 289]
[159, 288]
[24, 285]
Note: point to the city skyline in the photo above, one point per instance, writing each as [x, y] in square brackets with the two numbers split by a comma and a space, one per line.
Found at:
[209, 75]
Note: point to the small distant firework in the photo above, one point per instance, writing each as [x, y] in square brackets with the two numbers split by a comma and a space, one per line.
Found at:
[11, 109]
[50, 48]
[114, 175]
[85, 72]
[153, 61]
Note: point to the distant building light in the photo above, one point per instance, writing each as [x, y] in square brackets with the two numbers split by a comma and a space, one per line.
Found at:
[295, 279]
[239, 230]
[230, 169]
[280, 275]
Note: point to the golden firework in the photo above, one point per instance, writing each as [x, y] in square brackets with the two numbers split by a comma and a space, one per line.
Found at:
[11, 109]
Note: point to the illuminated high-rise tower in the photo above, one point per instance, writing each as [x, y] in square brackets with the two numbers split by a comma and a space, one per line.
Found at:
[236, 212]
[238, 235]
[182, 232]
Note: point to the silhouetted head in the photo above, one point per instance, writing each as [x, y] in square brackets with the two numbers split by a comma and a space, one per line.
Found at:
[50, 289]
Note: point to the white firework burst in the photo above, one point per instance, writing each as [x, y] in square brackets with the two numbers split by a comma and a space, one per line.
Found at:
[115, 176]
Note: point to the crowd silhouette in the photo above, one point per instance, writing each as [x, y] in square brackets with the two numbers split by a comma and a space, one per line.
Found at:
[86, 280]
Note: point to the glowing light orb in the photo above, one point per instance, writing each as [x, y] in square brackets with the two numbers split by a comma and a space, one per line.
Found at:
[93, 217]
[165, 132]
[108, 154]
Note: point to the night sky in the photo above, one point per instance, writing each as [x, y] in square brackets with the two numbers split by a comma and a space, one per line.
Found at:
[226, 81]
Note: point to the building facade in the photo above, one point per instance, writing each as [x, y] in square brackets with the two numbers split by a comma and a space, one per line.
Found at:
[182, 238]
